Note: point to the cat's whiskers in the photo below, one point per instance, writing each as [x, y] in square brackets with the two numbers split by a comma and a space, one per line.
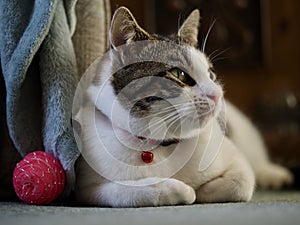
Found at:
[160, 121]
[170, 120]
[194, 118]
[179, 124]
[188, 106]
[159, 113]
[153, 132]
[153, 125]
[166, 110]
[213, 58]
[183, 107]
[170, 115]
[182, 119]
[212, 54]
[207, 35]
[157, 130]
[221, 58]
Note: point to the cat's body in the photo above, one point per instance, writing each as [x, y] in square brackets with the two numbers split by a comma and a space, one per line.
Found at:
[152, 127]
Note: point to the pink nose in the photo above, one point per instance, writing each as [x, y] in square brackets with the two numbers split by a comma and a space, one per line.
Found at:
[214, 98]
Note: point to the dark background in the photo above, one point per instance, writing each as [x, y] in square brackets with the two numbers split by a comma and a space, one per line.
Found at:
[259, 62]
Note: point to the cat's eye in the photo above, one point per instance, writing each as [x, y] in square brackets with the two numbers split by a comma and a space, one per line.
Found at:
[182, 76]
[212, 74]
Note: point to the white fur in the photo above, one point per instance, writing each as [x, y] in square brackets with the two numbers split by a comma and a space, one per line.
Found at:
[109, 182]
[111, 173]
[228, 178]
[205, 166]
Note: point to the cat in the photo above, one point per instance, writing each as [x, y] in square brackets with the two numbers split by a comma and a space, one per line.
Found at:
[156, 130]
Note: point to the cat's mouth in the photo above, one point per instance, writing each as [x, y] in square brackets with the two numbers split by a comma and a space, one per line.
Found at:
[206, 107]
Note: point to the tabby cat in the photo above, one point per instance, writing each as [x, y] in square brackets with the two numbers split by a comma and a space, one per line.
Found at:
[156, 130]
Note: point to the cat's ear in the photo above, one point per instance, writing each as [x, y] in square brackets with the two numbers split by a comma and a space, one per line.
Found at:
[124, 29]
[188, 32]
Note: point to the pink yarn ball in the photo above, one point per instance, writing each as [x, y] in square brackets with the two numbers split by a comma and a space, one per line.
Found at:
[39, 178]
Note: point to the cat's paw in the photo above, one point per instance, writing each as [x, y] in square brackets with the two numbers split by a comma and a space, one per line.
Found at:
[272, 176]
[174, 192]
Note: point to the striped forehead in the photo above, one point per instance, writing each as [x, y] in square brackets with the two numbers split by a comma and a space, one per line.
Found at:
[165, 52]
[126, 75]
[150, 59]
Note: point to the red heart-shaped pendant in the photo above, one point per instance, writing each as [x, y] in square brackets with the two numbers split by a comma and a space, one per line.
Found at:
[147, 157]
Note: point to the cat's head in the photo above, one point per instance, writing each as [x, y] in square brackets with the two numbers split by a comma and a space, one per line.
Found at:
[153, 86]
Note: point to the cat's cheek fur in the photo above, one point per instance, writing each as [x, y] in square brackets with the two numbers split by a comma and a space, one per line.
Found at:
[200, 70]
[106, 101]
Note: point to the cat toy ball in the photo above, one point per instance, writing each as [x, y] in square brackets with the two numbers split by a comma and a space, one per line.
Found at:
[39, 178]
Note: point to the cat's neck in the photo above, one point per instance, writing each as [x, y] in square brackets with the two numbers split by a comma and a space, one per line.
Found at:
[163, 142]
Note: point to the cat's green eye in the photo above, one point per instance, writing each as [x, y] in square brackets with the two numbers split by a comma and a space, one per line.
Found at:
[182, 76]
[179, 74]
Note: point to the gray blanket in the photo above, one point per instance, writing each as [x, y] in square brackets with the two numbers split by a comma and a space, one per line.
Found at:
[39, 68]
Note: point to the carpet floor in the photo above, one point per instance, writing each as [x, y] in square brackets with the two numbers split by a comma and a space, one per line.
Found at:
[267, 207]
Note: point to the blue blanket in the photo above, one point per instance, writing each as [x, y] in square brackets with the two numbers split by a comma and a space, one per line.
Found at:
[39, 68]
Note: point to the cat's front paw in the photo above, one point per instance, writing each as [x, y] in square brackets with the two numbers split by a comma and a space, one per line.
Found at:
[272, 176]
[174, 192]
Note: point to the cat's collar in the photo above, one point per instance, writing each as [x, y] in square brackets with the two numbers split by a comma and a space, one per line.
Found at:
[160, 142]
[147, 156]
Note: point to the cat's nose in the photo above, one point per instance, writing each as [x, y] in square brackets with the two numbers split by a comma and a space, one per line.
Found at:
[215, 98]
